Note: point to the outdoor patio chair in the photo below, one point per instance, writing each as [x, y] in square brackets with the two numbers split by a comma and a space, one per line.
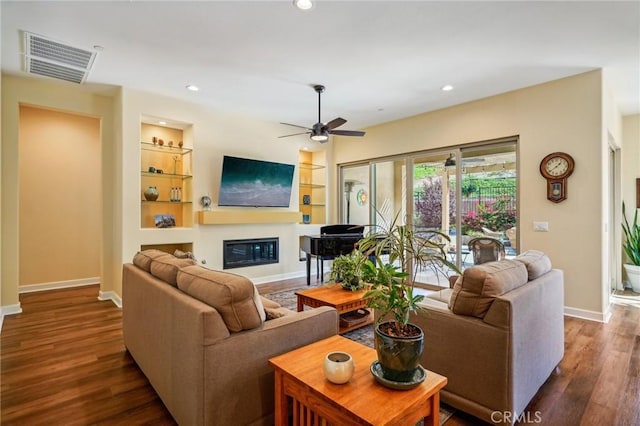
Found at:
[491, 234]
[486, 249]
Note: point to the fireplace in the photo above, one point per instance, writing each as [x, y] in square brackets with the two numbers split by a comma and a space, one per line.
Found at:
[250, 252]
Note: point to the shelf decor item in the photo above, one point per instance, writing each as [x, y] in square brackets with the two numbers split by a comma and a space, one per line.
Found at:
[151, 193]
[338, 367]
[165, 220]
[306, 199]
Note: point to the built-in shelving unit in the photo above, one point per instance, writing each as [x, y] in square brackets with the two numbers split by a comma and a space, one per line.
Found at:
[166, 166]
[312, 179]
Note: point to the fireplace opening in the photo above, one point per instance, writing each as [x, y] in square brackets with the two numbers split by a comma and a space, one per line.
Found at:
[250, 252]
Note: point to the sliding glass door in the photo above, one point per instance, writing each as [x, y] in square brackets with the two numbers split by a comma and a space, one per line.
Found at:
[465, 193]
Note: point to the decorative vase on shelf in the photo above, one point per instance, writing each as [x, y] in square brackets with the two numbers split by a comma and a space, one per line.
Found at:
[151, 193]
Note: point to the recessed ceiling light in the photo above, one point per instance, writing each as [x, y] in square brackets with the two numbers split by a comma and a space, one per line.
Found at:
[162, 122]
[446, 88]
[303, 4]
[192, 87]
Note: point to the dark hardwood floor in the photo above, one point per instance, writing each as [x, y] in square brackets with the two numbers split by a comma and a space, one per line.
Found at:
[63, 362]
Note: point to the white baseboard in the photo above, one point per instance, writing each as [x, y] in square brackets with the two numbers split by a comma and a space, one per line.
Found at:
[8, 310]
[278, 277]
[58, 285]
[110, 295]
[587, 315]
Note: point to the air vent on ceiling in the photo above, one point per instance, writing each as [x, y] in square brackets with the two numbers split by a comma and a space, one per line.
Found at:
[50, 58]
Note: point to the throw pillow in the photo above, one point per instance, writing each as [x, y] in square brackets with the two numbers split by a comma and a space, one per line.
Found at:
[142, 259]
[474, 293]
[537, 263]
[233, 296]
[166, 267]
[273, 313]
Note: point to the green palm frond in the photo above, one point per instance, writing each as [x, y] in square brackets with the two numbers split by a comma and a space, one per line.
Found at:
[631, 237]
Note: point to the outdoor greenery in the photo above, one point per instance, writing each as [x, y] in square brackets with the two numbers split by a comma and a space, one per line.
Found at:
[477, 191]
[428, 204]
[495, 215]
[631, 237]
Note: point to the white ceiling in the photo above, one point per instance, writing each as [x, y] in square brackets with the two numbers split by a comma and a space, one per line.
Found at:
[379, 60]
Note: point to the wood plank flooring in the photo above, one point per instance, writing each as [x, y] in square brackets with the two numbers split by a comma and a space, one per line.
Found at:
[63, 362]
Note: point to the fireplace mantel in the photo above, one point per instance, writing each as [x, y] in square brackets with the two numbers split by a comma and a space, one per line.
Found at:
[238, 216]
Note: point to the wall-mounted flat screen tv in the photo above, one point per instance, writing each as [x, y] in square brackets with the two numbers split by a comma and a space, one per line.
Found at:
[255, 183]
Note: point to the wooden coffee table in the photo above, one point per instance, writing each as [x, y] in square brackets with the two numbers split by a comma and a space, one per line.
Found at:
[335, 296]
[299, 376]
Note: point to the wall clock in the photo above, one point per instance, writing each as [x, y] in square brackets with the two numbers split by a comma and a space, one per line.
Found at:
[556, 168]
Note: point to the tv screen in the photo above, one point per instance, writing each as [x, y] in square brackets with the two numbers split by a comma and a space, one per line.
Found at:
[255, 183]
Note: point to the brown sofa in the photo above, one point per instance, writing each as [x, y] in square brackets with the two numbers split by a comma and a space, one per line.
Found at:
[209, 364]
[497, 335]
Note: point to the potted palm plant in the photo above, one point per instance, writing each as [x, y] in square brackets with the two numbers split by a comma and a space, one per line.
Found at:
[631, 247]
[399, 343]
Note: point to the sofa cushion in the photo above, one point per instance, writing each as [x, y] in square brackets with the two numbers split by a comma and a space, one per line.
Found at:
[142, 259]
[474, 293]
[166, 267]
[537, 263]
[232, 295]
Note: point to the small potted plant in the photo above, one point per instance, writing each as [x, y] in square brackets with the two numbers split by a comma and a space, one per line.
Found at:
[347, 270]
[399, 343]
[632, 249]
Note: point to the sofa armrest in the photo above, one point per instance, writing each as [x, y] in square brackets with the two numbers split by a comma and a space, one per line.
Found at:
[237, 372]
[469, 352]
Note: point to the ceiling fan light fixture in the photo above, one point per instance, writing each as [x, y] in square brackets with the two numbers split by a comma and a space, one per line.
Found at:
[303, 4]
[320, 137]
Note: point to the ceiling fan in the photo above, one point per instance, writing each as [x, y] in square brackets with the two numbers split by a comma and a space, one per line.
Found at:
[320, 131]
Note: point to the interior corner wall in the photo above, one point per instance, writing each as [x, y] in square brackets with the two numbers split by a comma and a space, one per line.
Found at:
[60, 197]
[562, 115]
[50, 95]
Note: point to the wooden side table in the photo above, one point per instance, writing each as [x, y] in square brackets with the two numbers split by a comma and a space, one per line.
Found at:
[299, 376]
[335, 296]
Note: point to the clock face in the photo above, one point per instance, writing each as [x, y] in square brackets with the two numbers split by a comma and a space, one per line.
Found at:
[557, 166]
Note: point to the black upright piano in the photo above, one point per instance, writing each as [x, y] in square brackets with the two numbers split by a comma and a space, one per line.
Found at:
[333, 241]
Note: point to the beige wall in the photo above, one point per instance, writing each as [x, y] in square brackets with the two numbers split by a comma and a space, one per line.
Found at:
[63, 97]
[60, 196]
[563, 115]
[630, 158]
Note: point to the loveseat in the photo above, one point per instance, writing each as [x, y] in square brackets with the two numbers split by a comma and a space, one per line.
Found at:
[497, 335]
[203, 338]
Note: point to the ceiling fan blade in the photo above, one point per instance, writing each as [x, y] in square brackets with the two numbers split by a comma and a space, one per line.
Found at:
[295, 125]
[294, 134]
[336, 122]
[347, 132]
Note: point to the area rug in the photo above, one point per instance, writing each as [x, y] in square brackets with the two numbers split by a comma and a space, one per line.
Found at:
[363, 335]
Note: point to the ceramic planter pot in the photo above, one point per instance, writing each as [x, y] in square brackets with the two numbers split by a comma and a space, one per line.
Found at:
[338, 367]
[633, 274]
[399, 357]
